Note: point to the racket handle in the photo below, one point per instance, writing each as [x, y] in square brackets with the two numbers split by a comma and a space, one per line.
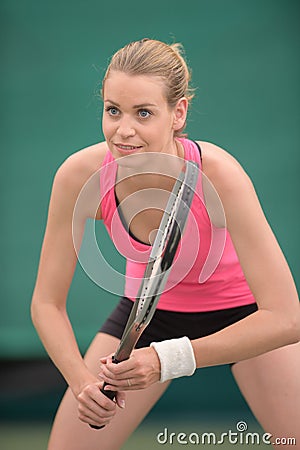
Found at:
[110, 394]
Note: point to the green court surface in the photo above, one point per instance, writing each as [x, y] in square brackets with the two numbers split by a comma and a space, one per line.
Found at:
[165, 433]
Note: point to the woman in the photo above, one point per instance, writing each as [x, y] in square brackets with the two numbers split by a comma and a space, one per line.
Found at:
[244, 311]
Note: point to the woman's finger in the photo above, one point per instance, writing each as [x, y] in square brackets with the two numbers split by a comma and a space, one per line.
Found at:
[112, 375]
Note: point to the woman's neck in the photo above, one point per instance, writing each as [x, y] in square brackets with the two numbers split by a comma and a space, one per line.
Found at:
[152, 169]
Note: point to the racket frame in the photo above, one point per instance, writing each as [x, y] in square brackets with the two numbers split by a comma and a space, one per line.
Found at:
[163, 251]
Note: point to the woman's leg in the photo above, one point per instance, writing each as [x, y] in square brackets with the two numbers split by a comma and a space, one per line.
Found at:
[69, 432]
[270, 384]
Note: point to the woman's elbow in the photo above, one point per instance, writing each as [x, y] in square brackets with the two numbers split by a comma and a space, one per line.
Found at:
[293, 327]
[39, 310]
[34, 311]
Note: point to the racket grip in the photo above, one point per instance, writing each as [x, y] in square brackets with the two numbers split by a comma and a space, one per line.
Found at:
[109, 394]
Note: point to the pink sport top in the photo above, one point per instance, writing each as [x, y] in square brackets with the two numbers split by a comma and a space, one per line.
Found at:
[206, 274]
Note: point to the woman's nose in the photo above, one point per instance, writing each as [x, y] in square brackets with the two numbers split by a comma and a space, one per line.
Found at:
[126, 128]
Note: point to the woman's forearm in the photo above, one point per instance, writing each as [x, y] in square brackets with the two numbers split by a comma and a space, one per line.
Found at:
[56, 333]
[258, 333]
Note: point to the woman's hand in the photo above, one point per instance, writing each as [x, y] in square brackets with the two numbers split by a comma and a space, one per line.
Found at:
[140, 371]
[94, 407]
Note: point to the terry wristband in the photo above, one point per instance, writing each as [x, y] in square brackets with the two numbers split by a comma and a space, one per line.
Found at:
[176, 357]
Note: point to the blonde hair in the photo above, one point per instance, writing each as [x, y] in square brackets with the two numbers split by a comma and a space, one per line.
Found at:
[156, 58]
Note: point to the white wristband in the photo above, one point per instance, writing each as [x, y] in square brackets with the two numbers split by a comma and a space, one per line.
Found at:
[176, 357]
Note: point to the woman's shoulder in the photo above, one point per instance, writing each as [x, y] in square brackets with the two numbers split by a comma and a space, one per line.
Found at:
[81, 165]
[221, 168]
[78, 177]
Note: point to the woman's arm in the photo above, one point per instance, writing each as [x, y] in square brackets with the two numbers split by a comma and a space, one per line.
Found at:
[57, 264]
[277, 321]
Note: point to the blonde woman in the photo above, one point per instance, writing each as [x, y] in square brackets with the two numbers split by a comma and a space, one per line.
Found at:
[243, 311]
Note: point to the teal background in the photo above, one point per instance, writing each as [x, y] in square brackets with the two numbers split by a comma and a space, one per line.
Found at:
[245, 61]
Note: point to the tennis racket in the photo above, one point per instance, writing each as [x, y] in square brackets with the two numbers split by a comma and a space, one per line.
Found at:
[159, 265]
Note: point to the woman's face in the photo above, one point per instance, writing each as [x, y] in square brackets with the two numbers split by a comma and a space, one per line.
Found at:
[136, 116]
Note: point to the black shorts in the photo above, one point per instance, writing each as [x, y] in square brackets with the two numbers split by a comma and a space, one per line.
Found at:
[168, 324]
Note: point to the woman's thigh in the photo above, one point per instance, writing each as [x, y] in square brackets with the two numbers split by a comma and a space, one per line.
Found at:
[69, 432]
[270, 384]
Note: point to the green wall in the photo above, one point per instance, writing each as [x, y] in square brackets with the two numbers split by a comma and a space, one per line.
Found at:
[245, 60]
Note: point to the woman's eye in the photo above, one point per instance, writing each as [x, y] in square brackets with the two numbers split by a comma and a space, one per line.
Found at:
[144, 113]
[112, 111]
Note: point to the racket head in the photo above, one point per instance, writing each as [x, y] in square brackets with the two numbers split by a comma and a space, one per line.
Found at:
[167, 240]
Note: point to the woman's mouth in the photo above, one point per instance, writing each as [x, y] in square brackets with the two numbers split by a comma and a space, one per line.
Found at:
[127, 149]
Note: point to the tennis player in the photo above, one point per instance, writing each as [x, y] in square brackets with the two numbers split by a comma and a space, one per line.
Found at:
[234, 305]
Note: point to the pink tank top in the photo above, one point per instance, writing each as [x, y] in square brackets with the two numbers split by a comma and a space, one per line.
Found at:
[206, 274]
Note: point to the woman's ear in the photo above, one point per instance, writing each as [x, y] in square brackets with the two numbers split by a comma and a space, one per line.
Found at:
[180, 113]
